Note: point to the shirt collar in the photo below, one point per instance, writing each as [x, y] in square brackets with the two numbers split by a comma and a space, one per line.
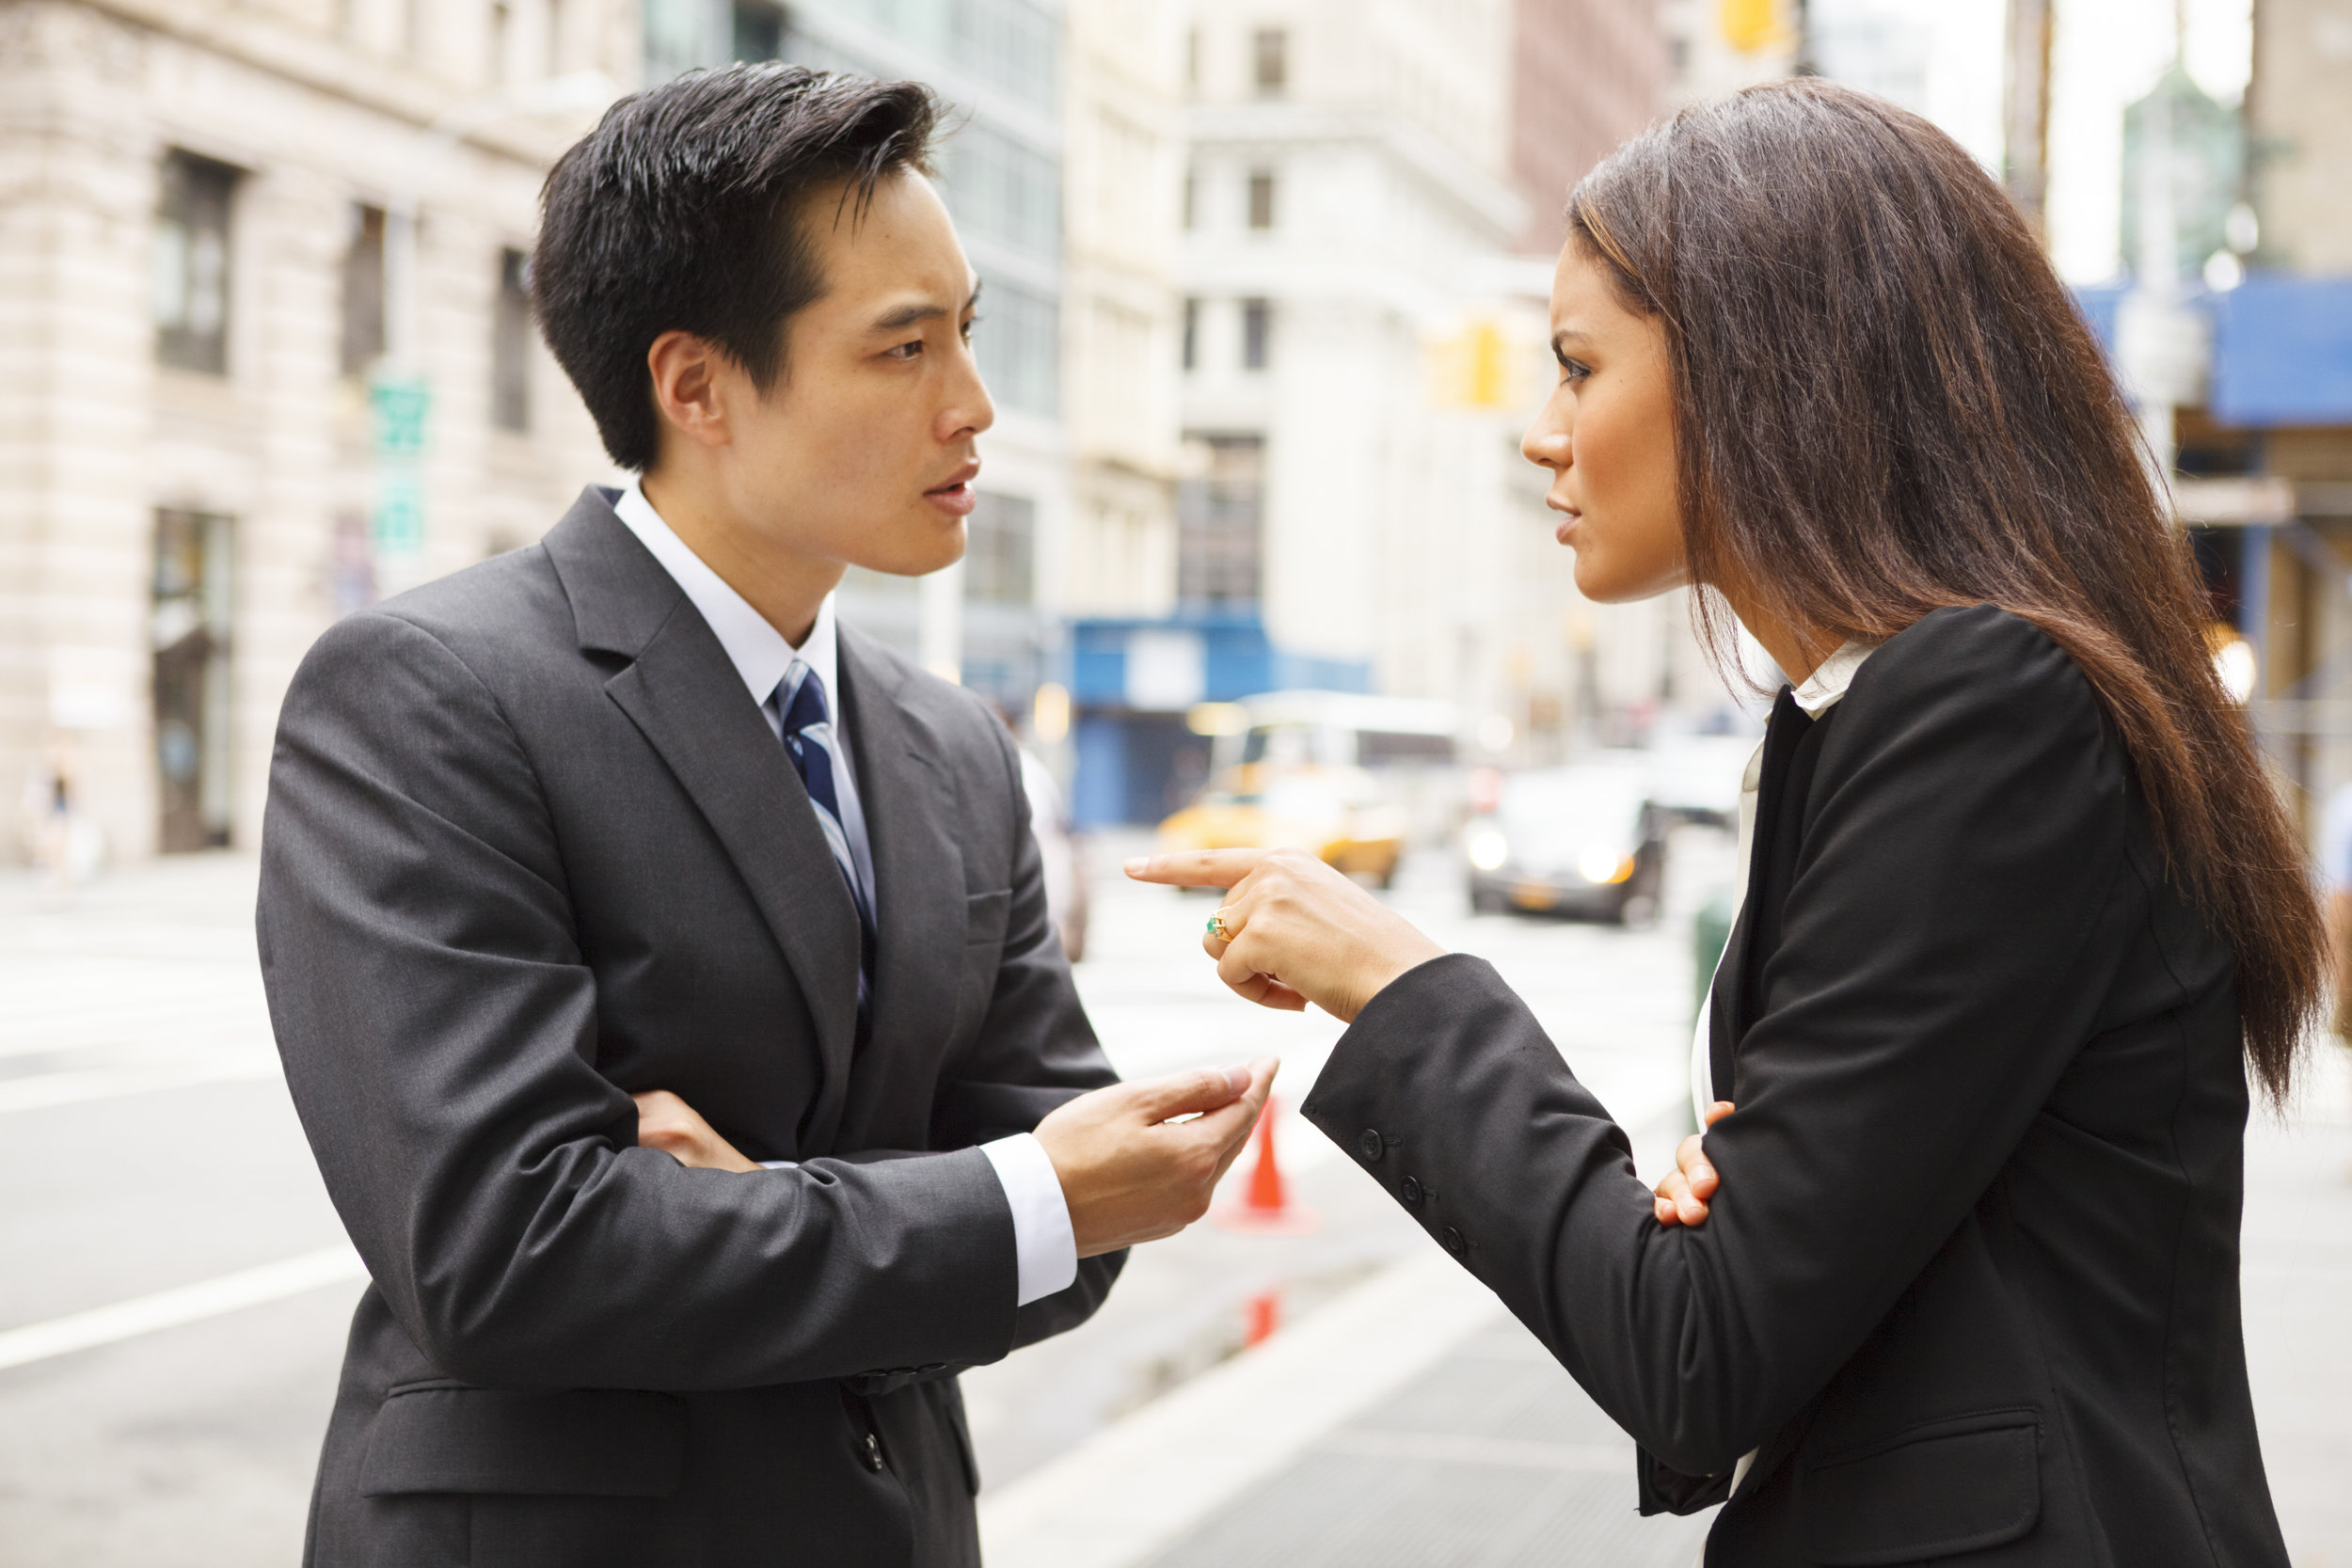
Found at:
[1821, 689]
[758, 651]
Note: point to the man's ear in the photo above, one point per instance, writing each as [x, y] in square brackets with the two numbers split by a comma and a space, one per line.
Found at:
[689, 376]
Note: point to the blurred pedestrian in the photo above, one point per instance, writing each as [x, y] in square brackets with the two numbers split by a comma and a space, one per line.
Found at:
[1062, 851]
[2024, 916]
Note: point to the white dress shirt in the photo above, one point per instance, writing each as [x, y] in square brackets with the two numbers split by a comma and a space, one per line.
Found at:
[1045, 1249]
[1819, 692]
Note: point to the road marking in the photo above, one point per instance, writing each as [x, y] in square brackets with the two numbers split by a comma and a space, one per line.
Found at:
[1132, 1487]
[184, 1304]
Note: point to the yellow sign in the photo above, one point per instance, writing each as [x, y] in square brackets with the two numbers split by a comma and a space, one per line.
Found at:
[1752, 26]
[1471, 369]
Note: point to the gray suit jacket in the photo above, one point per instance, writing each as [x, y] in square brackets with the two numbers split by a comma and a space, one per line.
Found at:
[529, 847]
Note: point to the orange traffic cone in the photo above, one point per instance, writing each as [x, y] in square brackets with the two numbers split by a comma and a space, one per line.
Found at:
[1262, 1314]
[1266, 1208]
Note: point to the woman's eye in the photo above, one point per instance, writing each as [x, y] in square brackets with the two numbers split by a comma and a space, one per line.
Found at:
[1573, 371]
[968, 326]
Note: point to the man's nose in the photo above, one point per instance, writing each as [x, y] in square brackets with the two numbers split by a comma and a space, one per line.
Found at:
[970, 410]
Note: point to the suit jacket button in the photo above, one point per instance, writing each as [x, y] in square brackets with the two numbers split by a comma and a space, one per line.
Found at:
[1453, 1242]
[1410, 1192]
[870, 1452]
[1368, 1143]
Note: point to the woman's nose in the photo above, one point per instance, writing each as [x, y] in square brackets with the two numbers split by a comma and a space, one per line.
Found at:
[1547, 446]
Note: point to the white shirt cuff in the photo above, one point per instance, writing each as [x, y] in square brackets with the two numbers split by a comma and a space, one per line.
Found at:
[1045, 1250]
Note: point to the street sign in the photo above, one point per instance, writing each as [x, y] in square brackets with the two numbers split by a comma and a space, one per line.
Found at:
[398, 526]
[399, 404]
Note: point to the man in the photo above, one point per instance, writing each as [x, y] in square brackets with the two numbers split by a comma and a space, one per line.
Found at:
[627, 813]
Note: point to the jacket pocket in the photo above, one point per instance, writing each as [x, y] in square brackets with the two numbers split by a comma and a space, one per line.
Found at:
[948, 1396]
[1950, 1486]
[579, 1442]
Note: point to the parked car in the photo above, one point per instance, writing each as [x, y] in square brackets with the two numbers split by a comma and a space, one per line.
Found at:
[1585, 839]
[1337, 812]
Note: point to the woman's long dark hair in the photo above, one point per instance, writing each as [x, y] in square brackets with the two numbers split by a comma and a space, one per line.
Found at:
[1886, 402]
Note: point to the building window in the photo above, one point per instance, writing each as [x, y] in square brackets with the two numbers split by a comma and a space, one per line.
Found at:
[1016, 44]
[510, 344]
[1003, 190]
[188, 621]
[363, 290]
[1018, 342]
[759, 31]
[1192, 334]
[1269, 62]
[1261, 199]
[1218, 507]
[1000, 550]
[190, 283]
[1257, 333]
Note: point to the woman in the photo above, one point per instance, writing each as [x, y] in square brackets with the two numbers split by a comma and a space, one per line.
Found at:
[2022, 911]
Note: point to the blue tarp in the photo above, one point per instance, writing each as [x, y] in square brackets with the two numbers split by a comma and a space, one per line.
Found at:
[2283, 353]
[1238, 658]
[2281, 350]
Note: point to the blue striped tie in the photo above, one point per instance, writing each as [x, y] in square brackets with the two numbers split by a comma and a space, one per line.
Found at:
[808, 739]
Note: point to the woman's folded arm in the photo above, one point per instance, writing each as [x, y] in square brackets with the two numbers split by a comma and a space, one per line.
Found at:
[1958, 885]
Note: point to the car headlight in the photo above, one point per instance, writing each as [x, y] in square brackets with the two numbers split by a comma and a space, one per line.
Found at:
[1488, 849]
[1603, 865]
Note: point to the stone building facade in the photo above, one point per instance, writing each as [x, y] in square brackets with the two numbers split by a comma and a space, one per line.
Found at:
[1124, 176]
[1361, 343]
[1586, 75]
[197, 452]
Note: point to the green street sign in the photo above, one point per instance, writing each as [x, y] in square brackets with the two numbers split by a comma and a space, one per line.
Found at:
[398, 526]
[399, 404]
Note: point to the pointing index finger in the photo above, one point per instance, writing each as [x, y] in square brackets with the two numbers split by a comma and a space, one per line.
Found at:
[1196, 868]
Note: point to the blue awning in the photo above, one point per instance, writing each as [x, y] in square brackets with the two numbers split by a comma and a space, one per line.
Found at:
[2281, 352]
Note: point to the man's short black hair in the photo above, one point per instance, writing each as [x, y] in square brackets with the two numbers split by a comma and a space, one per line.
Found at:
[680, 211]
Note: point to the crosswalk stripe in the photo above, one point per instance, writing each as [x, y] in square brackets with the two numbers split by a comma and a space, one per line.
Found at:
[184, 1304]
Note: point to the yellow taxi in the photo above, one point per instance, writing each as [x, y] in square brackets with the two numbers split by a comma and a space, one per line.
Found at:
[1338, 814]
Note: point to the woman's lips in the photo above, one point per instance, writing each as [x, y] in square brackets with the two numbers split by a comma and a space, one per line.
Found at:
[955, 499]
[1567, 526]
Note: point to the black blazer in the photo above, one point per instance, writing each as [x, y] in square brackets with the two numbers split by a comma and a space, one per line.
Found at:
[1971, 1284]
[529, 847]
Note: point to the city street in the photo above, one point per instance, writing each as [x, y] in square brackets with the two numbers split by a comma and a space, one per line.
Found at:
[152, 1158]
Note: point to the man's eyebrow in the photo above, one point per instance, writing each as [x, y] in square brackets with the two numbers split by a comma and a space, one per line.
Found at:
[909, 315]
[917, 312]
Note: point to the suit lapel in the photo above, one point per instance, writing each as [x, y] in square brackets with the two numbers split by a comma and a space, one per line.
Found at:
[919, 907]
[686, 700]
[1733, 997]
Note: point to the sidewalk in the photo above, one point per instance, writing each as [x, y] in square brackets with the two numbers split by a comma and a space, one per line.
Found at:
[1412, 1424]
